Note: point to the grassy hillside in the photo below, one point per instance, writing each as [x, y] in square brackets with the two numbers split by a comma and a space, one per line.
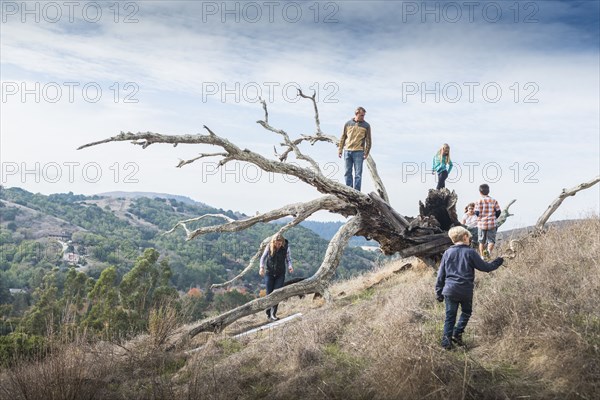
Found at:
[535, 333]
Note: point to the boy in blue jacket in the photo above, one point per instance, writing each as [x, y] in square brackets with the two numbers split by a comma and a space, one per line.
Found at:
[455, 282]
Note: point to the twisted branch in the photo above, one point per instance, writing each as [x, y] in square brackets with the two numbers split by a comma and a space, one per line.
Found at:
[318, 283]
[308, 210]
[233, 152]
[539, 226]
[289, 143]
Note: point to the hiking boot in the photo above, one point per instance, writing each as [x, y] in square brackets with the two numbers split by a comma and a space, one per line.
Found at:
[446, 343]
[274, 318]
[486, 254]
[458, 340]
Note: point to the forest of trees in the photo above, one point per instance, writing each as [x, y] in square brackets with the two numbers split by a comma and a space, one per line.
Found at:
[126, 268]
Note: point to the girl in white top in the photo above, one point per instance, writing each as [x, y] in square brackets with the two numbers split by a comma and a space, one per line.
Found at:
[469, 219]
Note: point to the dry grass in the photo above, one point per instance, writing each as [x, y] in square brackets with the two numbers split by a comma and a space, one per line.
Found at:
[542, 313]
[535, 333]
[63, 371]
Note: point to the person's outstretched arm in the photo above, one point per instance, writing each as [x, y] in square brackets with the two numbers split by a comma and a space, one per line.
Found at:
[263, 260]
[288, 259]
[481, 265]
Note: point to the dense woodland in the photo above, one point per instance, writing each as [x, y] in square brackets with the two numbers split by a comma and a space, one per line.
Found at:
[125, 265]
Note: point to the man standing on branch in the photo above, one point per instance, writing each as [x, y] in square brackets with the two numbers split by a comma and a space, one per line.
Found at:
[355, 143]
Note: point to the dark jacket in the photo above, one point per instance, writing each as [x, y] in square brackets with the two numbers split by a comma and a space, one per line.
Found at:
[276, 263]
[457, 272]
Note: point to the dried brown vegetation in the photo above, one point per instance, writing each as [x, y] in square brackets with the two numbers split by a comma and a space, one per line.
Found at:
[535, 333]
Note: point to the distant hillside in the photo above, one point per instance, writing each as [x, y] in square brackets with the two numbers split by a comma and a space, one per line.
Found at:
[328, 229]
[151, 195]
[519, 232]
[107, 230]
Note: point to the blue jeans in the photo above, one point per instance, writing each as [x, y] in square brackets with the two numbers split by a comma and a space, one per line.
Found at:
[450, 329]
[354, 159]
[273, 282]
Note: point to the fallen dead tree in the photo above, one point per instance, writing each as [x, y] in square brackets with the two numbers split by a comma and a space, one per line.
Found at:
[370, 215]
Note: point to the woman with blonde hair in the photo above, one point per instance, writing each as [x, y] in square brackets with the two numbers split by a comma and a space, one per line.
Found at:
[275, 258]
[442, 165]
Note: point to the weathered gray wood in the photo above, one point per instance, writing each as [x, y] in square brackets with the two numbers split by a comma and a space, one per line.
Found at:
[317, 283]
[424, 249]
[539, 226]
[376, 179]
[399, 225]
[371, 215]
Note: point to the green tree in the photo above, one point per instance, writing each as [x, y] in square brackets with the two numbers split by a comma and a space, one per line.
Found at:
[230, 300]
[44, 316]
[5, 296]
[106, 313]
[74, 297]
[145, 286]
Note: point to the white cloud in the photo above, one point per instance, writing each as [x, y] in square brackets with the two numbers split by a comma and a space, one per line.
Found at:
[368, 58]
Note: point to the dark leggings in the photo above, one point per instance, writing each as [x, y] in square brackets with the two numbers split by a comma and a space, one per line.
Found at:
[273, 282]
[442, 179]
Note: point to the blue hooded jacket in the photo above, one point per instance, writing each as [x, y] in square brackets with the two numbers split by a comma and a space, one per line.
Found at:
[457, 272]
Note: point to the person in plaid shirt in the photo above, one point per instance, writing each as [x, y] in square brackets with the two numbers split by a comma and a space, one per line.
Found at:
[487, 210]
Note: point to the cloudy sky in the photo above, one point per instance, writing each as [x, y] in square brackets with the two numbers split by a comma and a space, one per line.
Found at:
[513, 87]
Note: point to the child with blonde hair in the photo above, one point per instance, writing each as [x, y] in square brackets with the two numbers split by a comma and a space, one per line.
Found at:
[455, 283]
[442, 164]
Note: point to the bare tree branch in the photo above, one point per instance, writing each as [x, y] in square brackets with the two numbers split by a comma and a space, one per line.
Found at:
[330, 203]
[301, 211]
[505, 213]
[317, 283]
[187, 231]
[289, 143]
[202, 155]
[376, 179]
[317, 180]
[264, 106]
[312, 98]
[539, 226]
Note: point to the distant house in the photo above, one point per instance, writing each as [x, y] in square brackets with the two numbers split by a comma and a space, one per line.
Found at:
[71, 258]
[65, 236]
[17, 291]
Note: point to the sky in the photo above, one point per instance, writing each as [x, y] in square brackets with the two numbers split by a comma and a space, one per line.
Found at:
[512, 87]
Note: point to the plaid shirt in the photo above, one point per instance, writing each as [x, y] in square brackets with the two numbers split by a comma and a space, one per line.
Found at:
[487, 208]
